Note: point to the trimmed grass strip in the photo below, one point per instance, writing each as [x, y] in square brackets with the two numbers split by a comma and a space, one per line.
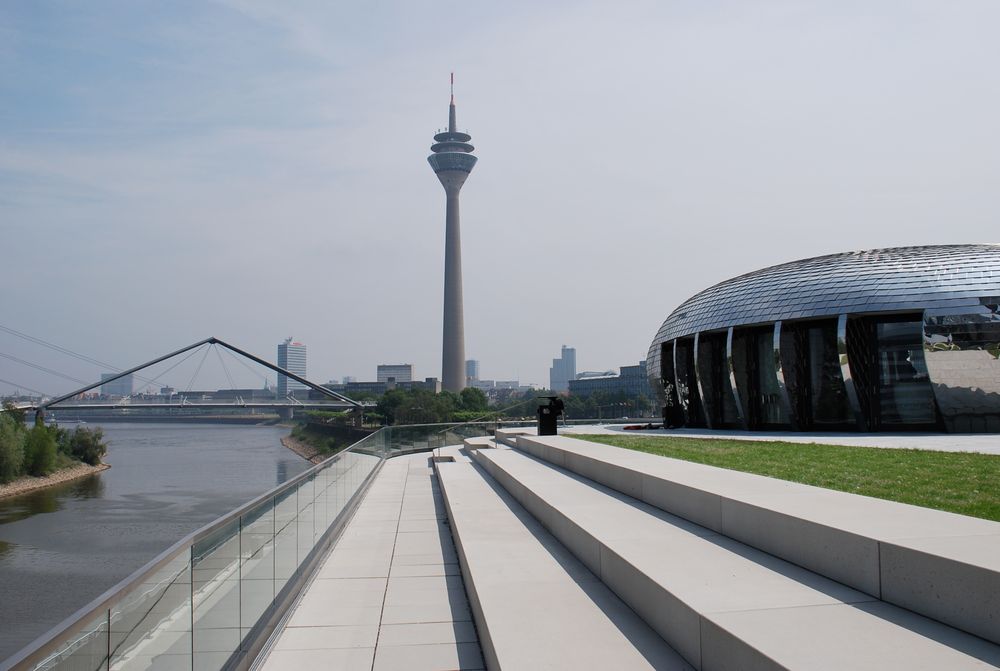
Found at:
[960, 482]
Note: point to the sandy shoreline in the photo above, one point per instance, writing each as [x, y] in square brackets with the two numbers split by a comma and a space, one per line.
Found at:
[29, 483]
[310, 454]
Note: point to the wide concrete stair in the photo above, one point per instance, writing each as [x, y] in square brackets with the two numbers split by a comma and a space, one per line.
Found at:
[524, 525]
[535, 605]
[935, 563]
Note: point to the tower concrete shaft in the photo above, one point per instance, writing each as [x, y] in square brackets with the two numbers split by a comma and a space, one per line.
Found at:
[452, 161]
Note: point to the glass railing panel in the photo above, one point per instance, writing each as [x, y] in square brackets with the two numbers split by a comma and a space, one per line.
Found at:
[334, 496]
[215, 589]
[195, 611]
[347, 478]
[366, 464]
[305, 521]
[285, 538]
[151, 626]
[320, 520]
[256, 564]
[86, 650]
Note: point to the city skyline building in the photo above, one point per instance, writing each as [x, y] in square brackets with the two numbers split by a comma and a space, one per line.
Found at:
[291, 357]
[121, 387]
[630, 380]
[395, 372]
[452, 162]
[563, 370]
[471, 371]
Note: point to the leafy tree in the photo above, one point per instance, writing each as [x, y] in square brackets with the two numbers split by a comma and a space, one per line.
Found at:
[39, 451]
[390, 403]
[88, 445]
[473, 399]
[12, 411]
[12, 436]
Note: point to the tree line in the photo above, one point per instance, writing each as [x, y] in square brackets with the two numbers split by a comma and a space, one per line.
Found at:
[422, 406]
[43, 449]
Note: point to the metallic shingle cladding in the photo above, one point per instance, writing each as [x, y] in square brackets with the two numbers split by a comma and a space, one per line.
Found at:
[877, 280]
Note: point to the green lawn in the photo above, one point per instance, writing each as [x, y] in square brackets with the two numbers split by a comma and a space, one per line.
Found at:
[958, 482]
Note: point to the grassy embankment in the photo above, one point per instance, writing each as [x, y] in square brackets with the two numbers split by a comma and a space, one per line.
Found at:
[959, 482]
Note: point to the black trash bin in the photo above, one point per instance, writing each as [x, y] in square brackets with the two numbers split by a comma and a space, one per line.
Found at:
[548, 414]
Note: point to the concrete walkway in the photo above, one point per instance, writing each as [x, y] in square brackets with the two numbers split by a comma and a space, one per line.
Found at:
[390, 595]
[986, 443]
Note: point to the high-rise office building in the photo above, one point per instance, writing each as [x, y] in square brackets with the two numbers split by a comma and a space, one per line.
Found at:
[121, 387]
[452, 161]
[399, 372]
[563, 370]
[471, 371]
[291, 357]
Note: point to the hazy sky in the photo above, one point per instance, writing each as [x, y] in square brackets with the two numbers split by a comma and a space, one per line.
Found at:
[257, 170]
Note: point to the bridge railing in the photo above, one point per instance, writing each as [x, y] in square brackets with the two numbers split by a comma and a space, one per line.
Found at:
[212, 599]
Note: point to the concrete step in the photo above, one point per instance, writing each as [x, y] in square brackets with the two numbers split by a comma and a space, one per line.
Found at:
[938, 564]
[479, 442]
[509, 437]
[720, 603]
[536, 606]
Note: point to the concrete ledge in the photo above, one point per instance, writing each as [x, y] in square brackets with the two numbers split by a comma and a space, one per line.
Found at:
[534, 605]
[479, 442]
[693, 586]
[938, 564]
[508, 437]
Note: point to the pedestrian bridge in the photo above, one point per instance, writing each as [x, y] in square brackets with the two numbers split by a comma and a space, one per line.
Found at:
[468, 546]
[74, 402]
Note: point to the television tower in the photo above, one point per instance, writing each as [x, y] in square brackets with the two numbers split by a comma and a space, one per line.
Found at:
[452, 161]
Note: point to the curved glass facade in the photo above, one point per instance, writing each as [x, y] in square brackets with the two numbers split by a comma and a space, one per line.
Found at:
[879, 340]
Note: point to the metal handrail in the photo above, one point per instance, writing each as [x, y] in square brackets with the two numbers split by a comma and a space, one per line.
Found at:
[51, 640]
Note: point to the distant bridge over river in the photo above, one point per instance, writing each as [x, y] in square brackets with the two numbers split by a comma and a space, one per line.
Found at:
[73, 401]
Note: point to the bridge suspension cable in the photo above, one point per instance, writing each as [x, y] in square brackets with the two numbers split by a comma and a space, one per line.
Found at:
[156, 380]
[225, 370]
[42, 368]
[69, 352]
[197, 370]
[21, 386]
[43, 343]
[243, 363]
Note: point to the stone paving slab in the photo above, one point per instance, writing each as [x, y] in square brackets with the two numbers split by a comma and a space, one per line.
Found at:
[390, 594]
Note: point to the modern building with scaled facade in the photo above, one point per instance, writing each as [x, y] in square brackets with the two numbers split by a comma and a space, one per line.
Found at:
[894, 339]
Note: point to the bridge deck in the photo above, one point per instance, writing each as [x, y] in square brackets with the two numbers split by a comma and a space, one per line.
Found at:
[390, 595]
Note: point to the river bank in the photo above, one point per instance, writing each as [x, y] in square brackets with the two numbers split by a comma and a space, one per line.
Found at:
[307, 452]
[29, 483]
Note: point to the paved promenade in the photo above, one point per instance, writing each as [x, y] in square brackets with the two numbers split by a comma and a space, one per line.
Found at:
[390, 594]
[987, 443]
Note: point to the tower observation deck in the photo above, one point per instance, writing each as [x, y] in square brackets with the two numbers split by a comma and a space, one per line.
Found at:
[452, 162]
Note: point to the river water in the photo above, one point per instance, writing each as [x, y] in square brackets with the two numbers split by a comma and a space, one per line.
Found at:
[63, 546]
